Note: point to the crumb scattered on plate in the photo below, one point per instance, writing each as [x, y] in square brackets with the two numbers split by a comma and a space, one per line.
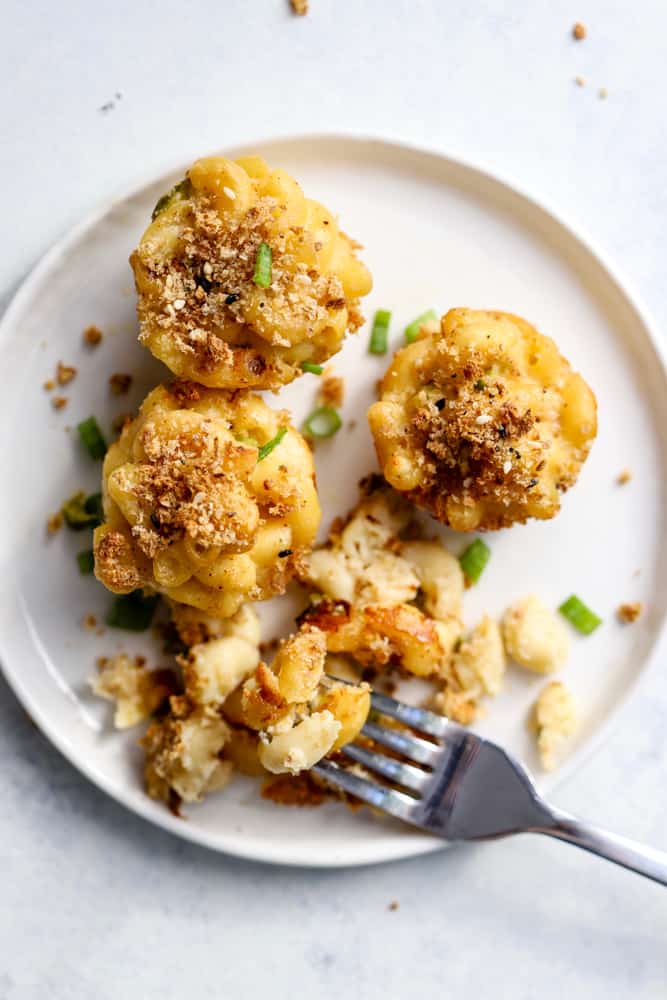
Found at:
[89, 622]
[59, 402]
[49, 384]
[624, 477]
[393, 905]
[300, 7]
[580, 81]
[92, 336]
[628, 613]
[579, 32]
[54, 523]
[119, 383]
[331, 389]
[603, 93]
[65, 373]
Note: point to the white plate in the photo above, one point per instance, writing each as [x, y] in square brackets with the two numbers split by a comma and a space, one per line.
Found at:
[437, 233]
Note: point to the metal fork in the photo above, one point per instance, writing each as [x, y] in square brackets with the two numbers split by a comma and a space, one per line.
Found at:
[459, 786]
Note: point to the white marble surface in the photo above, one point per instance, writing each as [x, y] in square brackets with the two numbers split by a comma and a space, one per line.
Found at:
[94, 902]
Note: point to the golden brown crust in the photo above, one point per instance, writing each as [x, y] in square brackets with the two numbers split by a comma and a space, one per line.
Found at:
[484, 424]
[193, 512]
[200, 308]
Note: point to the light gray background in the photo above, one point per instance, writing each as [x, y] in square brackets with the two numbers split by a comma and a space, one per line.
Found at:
[94, 903]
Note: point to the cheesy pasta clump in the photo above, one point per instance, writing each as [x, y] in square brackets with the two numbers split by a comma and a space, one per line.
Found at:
[209, 498]
[241, 278]
[484, 423]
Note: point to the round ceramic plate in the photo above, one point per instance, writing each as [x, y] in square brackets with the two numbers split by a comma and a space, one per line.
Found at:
[437, 233]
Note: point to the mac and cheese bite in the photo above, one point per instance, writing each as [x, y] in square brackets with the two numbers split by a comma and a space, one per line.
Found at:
[209, 498]
[484, 423]
[241, 278]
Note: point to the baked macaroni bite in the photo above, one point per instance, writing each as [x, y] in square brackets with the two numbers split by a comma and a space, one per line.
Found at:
[209, 498]
[241, 278]
[484, 423]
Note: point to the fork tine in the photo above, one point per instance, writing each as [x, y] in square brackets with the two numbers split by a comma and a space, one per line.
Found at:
[394, 770]
[388, 799]
[419, 751]
[416, 718]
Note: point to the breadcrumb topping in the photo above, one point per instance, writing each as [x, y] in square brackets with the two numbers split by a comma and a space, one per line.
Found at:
[92, 336]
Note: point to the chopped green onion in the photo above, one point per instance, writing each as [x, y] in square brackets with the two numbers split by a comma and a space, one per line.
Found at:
[322, 423]
[380, 332]
[91, 438]
[267, 448]
[474, 559]
[412, 329]
[93, 506]
[263, 266]
[81, 511]
[179, 191]
[308, 366]
[132, 612]
[576, 612]
[86, 561]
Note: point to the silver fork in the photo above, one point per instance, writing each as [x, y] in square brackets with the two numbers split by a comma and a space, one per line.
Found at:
[459, 786]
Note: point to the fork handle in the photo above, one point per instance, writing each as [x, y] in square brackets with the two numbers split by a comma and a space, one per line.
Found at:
[645, 861]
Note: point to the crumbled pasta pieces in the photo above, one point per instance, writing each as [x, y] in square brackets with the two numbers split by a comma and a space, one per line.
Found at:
[135, 691]
[190, 513]
[476, 669]
[201, 311]
[194, 626]
[300, 747]
[299, 664]
[215, 668]
[381, 634]
[534, 637]
[483, 424]
[183, 753]
[554, 721]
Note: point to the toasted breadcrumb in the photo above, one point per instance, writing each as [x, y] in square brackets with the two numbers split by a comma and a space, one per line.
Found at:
[300, 7]
[59, 402]
[628, 613]
[394, 905]
[331, 389]
[119, 383]
[89, 622]
[624, 477]
[603, 93]
[92, 336]
[49, 384]
[580, 81]
[294, 790]
[579, 32]
[54, 523]
[65, 373]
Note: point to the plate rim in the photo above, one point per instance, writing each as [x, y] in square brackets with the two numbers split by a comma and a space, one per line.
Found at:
[139, 804]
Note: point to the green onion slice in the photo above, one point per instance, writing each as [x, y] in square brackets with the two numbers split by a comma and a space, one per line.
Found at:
[322, 423]
[86, 561]
[263, 262]
[132, 612]
[474, 559]
[308, 366]
[380, 332]
[91, 438]
[178, 192]
[267, 448]
[579, 615]
[81, 511]
[412, 329]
